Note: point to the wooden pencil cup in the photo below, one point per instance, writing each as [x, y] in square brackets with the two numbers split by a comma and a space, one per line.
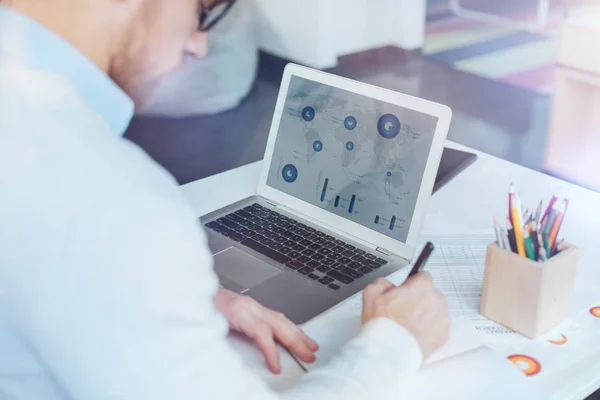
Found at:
[526, 296]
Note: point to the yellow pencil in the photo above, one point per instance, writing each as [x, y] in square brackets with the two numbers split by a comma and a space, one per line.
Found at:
[518, 225]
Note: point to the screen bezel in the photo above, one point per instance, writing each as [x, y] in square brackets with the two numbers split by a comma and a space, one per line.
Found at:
[330, 220]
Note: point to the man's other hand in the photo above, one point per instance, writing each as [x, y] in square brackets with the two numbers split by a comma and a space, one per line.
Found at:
[265, 326]
[416, 305]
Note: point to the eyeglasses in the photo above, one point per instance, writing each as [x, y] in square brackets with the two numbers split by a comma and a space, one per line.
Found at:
[210, 16]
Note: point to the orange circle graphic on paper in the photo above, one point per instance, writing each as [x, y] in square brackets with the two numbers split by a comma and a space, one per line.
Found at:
[563, 340]
[595, 311]
[528, 365]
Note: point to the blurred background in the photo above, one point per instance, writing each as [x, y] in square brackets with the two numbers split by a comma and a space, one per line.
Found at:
[522, 77]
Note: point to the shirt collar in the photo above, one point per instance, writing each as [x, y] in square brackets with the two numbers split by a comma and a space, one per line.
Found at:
[25, 41]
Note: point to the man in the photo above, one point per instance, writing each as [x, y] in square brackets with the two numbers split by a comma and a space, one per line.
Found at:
[106, 284]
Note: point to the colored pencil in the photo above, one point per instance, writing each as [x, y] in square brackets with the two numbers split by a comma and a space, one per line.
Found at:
[511, 236]
[498, 233]
[534, 238]
[553, 230]
[505, 240]
[528, 245]
[518, 224]
[538, 213]
[511, 192]
[549, 208]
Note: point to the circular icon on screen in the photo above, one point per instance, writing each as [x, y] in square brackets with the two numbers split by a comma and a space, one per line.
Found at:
[350, 123]
[350, 146]
[389, 174]
[289, 173]
[318, 146]
[308, 114]
[388, 126]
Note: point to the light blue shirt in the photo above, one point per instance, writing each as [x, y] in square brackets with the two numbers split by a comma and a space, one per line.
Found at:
[106, 281]
[24, 41]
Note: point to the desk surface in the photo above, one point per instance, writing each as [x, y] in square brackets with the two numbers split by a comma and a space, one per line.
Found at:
[468, 202]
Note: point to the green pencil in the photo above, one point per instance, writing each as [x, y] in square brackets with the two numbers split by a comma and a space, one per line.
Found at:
[529, 245]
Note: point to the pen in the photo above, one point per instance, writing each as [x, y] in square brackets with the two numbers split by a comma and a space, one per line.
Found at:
[534, 239]
[422, 260]
[505, 240]
[528, 245]
[498, 234]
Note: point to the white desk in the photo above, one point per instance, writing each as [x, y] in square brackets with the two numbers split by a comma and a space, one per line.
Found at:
[468, 202]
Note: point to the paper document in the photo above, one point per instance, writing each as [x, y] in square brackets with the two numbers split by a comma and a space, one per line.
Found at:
[334, 332]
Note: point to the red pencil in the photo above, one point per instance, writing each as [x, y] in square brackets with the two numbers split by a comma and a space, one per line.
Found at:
[550, 205]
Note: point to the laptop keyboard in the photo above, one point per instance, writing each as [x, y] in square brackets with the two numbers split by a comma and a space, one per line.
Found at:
[308, 251]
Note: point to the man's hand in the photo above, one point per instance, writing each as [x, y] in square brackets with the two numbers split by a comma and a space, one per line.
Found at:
[265, 326]
[416, 305]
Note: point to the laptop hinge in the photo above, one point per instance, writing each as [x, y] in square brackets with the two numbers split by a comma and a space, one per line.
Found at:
[384, 251]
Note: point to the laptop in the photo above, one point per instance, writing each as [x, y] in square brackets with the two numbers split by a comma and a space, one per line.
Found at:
[348, 172]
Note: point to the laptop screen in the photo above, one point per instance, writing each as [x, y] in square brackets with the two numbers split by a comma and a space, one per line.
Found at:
[357, 157]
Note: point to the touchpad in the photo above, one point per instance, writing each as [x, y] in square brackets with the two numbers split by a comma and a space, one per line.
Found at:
[242, 268]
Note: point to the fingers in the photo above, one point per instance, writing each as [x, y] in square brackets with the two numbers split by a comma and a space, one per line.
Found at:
[293, 338]
[376, 289]
[266, 343]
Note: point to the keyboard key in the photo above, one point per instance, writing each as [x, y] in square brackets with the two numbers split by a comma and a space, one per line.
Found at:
[340, 243]
[278, 230]
[302, 226]
[212, 225]
[359, 251]
[262, 249]
[284, 224]
[276, 246]
[250, 209]
[348, 253]
[323, 268]
[338, 276]
[338, 266]
[329, 245]
[314, 246]
[253, 218]
[308, 252]
[309, 229]
[294, 254]
[319, 234]
[328, 262]
[294, 229]
[372, 264]
[352, 273]
[245, 223]
[365, 270]
[312, 236]
[298, 247]
[305, 242]
[257, 206]
[267, 242]
[334, 286]
[324, 251]
[318, 257]
[326, 280]
[303, 259]
[270, 235]
[235, 218]
[334, 256]
[280, 239]
[381, 261]
[244, 231]
[355, 265]
[338, 249]
[369, 256]
[313, 264]
[285, 250]
[237, 237]
[296, 238]
[319, 240]
[295, 265]
[258, 237]
[344, 260]
[243, 214]
[359, 258]
[349, 247]
[289, 243]
[329, 237]
[287, 234]
[313, 277]
[227, 222]
[305, 270]
[270, 226]
[252, 226]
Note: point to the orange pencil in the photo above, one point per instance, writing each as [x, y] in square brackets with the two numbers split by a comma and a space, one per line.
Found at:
[557, 223]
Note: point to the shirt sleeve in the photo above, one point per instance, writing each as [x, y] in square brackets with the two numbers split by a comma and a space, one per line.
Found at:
[122, 308]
